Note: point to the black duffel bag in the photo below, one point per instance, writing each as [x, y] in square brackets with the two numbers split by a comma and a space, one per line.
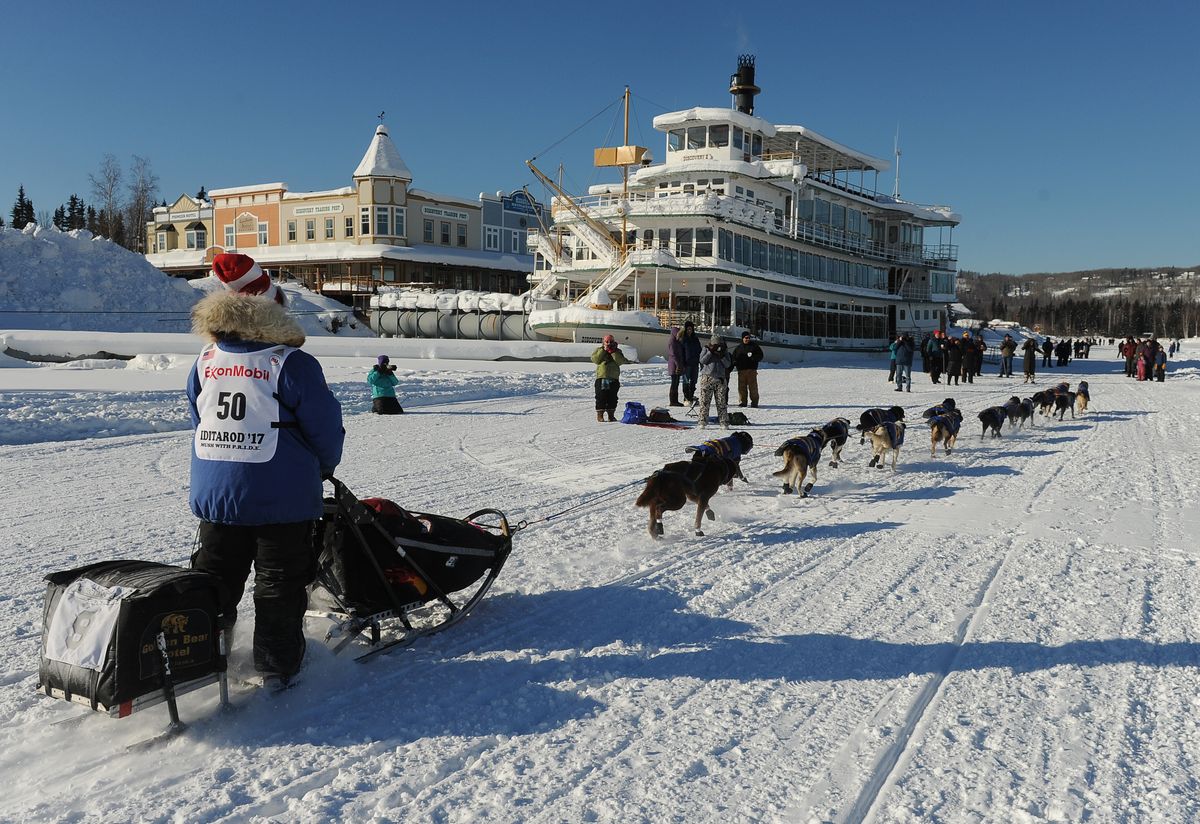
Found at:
[101, 628]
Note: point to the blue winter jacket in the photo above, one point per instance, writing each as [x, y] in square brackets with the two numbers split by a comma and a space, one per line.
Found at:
[288, 488]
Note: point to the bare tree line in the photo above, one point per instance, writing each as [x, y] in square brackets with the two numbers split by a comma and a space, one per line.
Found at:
[122, 203]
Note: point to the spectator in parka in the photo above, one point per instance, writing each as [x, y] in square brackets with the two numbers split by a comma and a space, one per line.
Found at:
[1047, 351]
[691, 360]
[1160, 365]
[383, 380]
[954, 358]
[675, 364]
[715, 364]
[1031, 352]
[1008, 348]
[267, 431]
[609, 359]
[904, 363]
[892, 358]
[746, 357]
[970, 356]
[937, 356]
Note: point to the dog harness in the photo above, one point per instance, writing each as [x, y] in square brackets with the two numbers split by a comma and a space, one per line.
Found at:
[950, 423]
[836, 430]
[729, 448]
[936, 411]
[1082, 389]
[809, 446]
[895, 434]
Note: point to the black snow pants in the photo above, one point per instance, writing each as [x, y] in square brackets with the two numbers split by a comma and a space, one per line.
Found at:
[284, 565]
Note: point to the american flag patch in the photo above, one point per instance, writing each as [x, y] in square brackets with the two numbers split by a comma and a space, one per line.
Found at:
[208, 355]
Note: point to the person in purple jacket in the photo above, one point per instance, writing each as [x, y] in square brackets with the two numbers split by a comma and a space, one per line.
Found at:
[676, 361]
[267, 431]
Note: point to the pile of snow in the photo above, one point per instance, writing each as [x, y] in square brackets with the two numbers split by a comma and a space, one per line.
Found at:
[70, 280]
[574, 314]
[449, 300]
[317, 314]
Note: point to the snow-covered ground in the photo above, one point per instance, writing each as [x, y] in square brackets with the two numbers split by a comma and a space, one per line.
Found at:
[1006, 634]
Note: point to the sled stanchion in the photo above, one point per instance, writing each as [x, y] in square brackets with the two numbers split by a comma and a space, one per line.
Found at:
[223, 675]
[168, 684]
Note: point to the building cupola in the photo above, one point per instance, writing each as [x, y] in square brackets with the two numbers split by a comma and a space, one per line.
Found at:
[382, 159]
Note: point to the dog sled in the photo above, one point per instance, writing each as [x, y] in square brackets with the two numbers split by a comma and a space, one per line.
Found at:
[387, 576]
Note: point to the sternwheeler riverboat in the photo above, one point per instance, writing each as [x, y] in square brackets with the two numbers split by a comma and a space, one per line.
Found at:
[746, 224]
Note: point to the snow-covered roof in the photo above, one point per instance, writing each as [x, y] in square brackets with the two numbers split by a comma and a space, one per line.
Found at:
[933, 214]
[344, 190]
[424, 194]
[818, 152]
[242, 190]
[273, 256]
[705, 114]
[382, 159]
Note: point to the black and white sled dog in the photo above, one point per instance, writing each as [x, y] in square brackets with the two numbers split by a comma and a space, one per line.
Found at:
[875, 417]
[943, 429]
[887, 436]
[836, 432]
[800, 456]
[993, 418]
[1043, 400]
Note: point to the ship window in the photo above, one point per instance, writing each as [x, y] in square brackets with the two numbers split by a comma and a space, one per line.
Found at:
[689, 189]
[749, 194]
[663, 185]
[902, 316]
[718, 135]
[664, 238]
[742, 290]
[737, 138]
[760, 293]
[704, 242]
[718, 181]
[821, 211]
[837, 216]
[683, 243]
[740, 191]
[756, 149]
[695, 137]
[702, 182]
[675, 140]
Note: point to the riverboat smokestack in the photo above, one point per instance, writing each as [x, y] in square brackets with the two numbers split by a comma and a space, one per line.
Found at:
[741, 85]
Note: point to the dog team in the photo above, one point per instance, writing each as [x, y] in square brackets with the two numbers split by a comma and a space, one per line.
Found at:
[717, 462]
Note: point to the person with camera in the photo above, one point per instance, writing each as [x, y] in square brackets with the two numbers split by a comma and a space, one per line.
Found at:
[715, 363]
[608, 358]
[383, 380]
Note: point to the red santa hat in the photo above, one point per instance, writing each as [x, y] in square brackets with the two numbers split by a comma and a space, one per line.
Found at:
[239, 273]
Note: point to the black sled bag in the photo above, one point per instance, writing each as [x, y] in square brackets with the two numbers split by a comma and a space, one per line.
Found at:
[100, 631]
[441, 555]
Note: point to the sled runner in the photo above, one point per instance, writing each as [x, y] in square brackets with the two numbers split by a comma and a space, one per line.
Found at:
[121, 636]
[386, 576]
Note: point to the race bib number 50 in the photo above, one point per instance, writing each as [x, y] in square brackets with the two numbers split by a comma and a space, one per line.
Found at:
[237, 405]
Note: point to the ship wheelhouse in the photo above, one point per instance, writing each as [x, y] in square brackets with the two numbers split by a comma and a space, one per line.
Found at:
[750, 225]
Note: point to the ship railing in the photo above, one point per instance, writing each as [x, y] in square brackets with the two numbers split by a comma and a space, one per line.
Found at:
[914, 291]
[940, 253]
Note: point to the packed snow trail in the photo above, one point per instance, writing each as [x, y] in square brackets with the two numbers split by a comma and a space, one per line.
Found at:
[1003, 634]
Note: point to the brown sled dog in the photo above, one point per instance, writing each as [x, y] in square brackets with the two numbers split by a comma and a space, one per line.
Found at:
[885, 437]
[714, 464]
[943, 429]
[800, 456]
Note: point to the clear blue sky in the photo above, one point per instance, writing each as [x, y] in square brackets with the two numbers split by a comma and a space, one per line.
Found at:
[1064, 133]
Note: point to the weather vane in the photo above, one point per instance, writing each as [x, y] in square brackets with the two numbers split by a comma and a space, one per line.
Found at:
[380, 116]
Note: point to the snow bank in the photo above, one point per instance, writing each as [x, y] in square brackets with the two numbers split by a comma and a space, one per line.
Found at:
[152, 351]
[70, 280]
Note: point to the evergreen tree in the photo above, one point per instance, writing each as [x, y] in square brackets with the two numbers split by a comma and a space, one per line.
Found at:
[1, 221]
[93, 221]
[76, 218]
[118, 230]
[22, 210]
[60, 218]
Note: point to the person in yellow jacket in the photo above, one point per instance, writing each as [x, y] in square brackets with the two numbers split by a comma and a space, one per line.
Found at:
[608, 358]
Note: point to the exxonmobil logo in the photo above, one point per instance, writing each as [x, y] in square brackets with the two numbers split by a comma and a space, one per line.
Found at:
[236, 371]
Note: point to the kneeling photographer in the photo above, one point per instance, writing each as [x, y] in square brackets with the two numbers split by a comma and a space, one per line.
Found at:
[383, 380]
